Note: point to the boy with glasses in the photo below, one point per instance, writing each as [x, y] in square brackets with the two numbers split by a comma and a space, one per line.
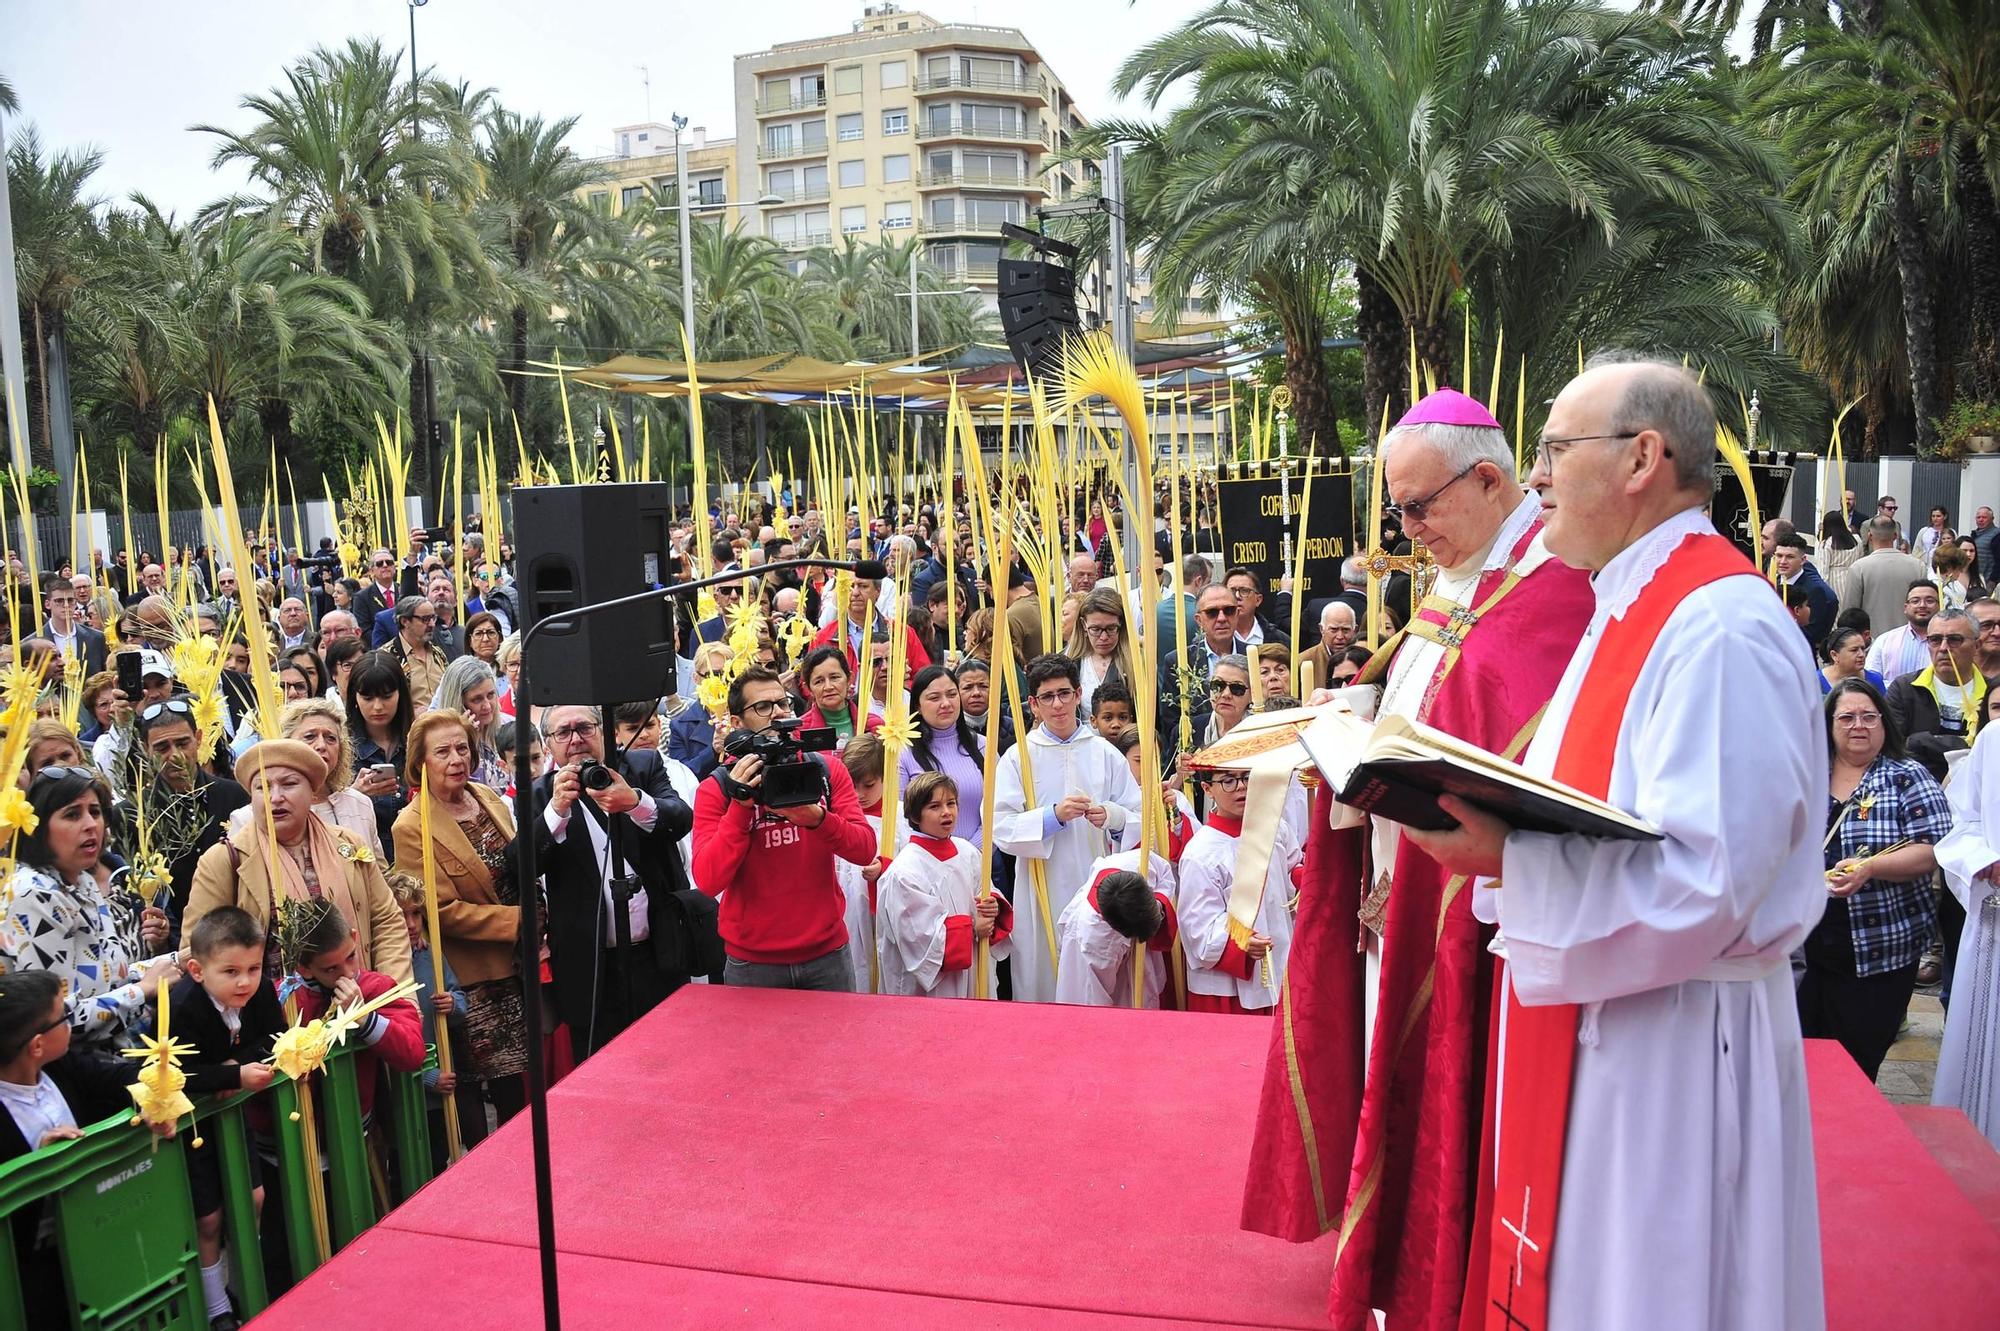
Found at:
[1231, 969]
[1083, 796]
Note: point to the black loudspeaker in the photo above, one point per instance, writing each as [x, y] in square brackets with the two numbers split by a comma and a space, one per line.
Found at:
[577, 545]
[1037, 313]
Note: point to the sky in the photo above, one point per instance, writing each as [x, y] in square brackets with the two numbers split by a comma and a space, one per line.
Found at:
[128, 77]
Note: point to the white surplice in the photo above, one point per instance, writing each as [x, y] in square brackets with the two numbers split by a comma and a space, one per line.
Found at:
[916, 897]
[1096, 969]
[860, 919]
[1687, 1188]
[1207, 871]
[1084, 764]
[1968, 1069]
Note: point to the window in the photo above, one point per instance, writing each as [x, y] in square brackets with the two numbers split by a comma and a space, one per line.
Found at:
[895, 169]
[848, 127]
[992, 168]
[853, 220]
[814, 133]
[938, 118]
[814, 181]
[847, 80]
[630, 196]
[895, 74]
[989, 72]
[896, 214]
[938, 69]
[777, 92]
[818, 228]
[784, 227]
[782, 183]
[812, 90]
[988, 118]
[600, 200]
[643, 136]
[853, 175]
[986, 212]
[939, 167]
[709, 192]
[896, 120]
[778, 140]
[981, 260]
[943, 212]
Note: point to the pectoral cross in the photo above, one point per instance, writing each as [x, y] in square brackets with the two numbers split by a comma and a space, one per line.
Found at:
[1419, 564]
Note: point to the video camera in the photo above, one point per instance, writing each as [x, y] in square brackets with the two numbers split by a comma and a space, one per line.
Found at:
[790, 778]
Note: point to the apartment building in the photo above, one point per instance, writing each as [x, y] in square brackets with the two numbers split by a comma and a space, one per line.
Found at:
[641, 163]
[905, 125]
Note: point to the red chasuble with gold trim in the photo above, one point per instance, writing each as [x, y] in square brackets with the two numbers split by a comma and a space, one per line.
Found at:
[1392, 1168]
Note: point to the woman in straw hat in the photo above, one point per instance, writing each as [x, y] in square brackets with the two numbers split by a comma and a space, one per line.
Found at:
[313, 860]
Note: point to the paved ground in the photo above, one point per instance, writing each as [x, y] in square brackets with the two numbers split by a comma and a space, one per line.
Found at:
[1911, 1068]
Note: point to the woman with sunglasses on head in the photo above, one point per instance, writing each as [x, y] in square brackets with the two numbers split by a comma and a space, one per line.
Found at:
[379, 712]
[193, 803]
[56, 919]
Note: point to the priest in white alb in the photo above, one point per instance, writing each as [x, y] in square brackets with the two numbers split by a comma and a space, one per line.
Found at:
[1651, 1164]
[1081, 798]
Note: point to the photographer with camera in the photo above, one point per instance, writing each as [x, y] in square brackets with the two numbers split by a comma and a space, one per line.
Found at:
[768, 826]
[624, 928]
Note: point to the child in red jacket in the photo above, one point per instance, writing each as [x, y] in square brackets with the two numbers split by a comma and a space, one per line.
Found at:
[327, 971]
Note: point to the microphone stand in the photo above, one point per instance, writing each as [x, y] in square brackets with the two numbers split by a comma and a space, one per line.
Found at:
[527, 821]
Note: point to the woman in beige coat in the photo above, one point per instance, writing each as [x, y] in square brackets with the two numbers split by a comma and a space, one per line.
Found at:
[314, 859]
[479, 901]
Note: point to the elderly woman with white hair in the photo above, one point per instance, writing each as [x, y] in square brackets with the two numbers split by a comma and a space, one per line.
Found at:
[468, 688]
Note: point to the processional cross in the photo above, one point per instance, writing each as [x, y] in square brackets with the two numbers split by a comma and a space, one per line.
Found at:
[1419, 564]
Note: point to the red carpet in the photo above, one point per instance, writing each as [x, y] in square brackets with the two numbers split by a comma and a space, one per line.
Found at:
[1903, 1246]
[756, 1158]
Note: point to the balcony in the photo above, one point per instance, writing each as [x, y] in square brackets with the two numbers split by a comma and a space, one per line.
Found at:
[808, 240]
[800, 194]
[787, 152]
[1014, 182]
[962, 227]
[782, 103]
[931, 132]
[1033, 88]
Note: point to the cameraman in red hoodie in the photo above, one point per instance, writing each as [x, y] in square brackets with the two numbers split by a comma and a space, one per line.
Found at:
[783, 912]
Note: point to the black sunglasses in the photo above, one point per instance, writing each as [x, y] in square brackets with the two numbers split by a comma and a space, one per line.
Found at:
[1229, 686]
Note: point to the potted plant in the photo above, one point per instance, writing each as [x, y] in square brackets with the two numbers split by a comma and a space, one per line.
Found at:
[1969, 427]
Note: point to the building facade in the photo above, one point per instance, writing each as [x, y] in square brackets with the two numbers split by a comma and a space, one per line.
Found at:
[641, 164]
[906, 126]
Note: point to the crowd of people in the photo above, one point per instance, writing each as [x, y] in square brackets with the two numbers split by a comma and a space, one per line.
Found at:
[736, 829]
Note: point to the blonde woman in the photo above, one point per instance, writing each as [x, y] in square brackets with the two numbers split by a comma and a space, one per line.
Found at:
[468, 688]
[1100, 643]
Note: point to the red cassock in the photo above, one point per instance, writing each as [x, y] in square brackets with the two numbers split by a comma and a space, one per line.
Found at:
[1392, 1166]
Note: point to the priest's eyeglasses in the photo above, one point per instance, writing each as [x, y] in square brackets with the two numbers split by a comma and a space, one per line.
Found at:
[1418, 509]
[1555, 448]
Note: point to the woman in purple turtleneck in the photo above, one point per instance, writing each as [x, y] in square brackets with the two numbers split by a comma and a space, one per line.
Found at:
[945, 743]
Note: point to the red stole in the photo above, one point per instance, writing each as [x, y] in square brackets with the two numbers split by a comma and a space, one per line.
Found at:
[1515, 1218]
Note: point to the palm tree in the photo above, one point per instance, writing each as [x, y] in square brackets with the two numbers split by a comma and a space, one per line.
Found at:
[1875, 117]
[1426, 141]
[533, 211]
[335, 150]
[54, 235]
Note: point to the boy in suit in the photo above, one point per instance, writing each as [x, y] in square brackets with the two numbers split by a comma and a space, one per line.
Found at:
[229, 1012]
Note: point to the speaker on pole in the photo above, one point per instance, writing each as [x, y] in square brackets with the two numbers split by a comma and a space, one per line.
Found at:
[576, 545]
[1037, 313]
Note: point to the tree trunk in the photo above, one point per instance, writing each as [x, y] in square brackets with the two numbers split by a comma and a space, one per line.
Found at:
[41, 452]
[1919, 319]
[1436, 341]
[1383, 377]
[1314, 418]
[1982, 243]
[517, 384]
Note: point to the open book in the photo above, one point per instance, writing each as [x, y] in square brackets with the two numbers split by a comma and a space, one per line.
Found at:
[1398, 768]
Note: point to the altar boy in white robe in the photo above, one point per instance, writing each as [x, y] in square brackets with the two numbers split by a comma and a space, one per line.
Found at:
[930, 916]
[1654, 1163]
[1968, 1069]
[1084, 796]
[1103, 925]
[1227, 972]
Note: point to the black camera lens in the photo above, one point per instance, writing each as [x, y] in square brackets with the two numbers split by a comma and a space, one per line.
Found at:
[594, 775]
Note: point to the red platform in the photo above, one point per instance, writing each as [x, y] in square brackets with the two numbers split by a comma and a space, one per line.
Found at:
[760, 1158]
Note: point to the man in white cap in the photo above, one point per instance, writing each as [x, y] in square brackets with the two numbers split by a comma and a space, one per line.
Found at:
[1397, 1147]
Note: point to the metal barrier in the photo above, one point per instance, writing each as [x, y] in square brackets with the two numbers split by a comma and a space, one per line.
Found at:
[124, 1215]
